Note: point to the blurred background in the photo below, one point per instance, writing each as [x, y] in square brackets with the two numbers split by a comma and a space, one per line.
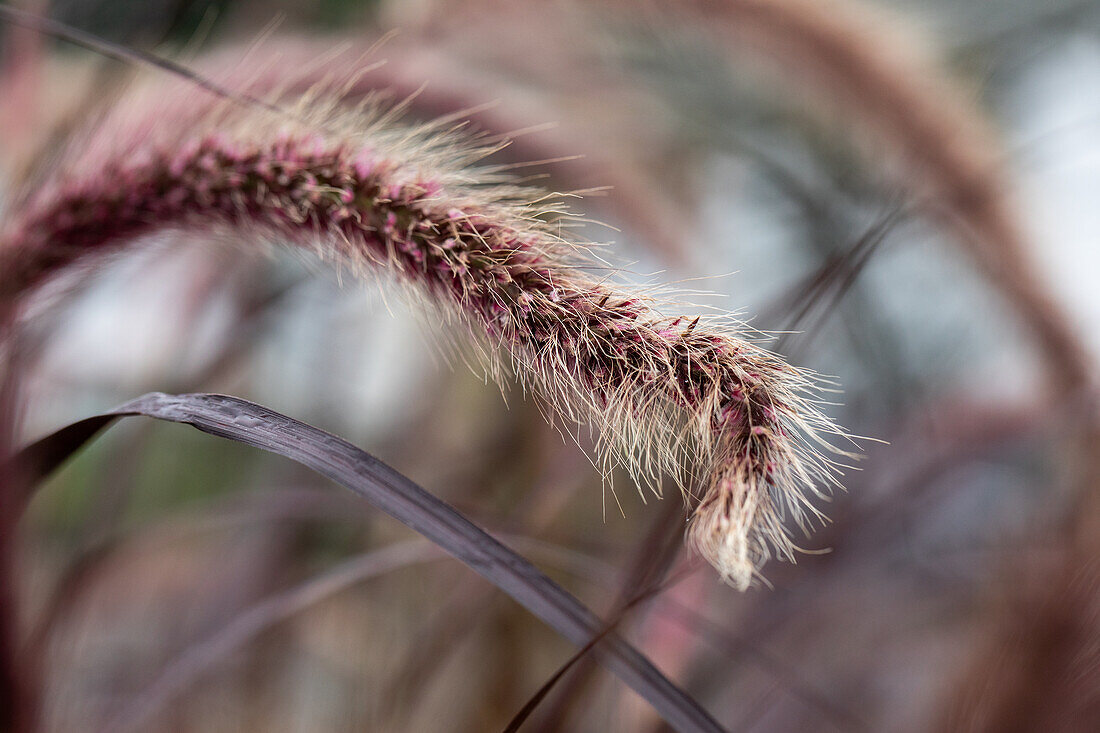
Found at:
[905, 191]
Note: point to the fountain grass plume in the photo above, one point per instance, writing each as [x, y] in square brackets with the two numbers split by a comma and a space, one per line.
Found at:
[695, 399]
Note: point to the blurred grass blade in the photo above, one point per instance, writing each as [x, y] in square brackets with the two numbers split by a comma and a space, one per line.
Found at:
[529, 707]
[393, 493]
[124, 54]
[201, 657]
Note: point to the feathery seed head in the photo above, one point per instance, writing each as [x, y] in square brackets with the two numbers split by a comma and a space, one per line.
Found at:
[693, 399]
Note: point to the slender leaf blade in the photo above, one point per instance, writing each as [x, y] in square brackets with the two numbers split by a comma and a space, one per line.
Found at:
[246, 422]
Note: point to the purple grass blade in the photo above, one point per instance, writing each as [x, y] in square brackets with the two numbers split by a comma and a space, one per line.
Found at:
[255, 425]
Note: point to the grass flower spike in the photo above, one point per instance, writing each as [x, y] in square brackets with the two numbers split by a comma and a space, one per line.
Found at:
[670, 395]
